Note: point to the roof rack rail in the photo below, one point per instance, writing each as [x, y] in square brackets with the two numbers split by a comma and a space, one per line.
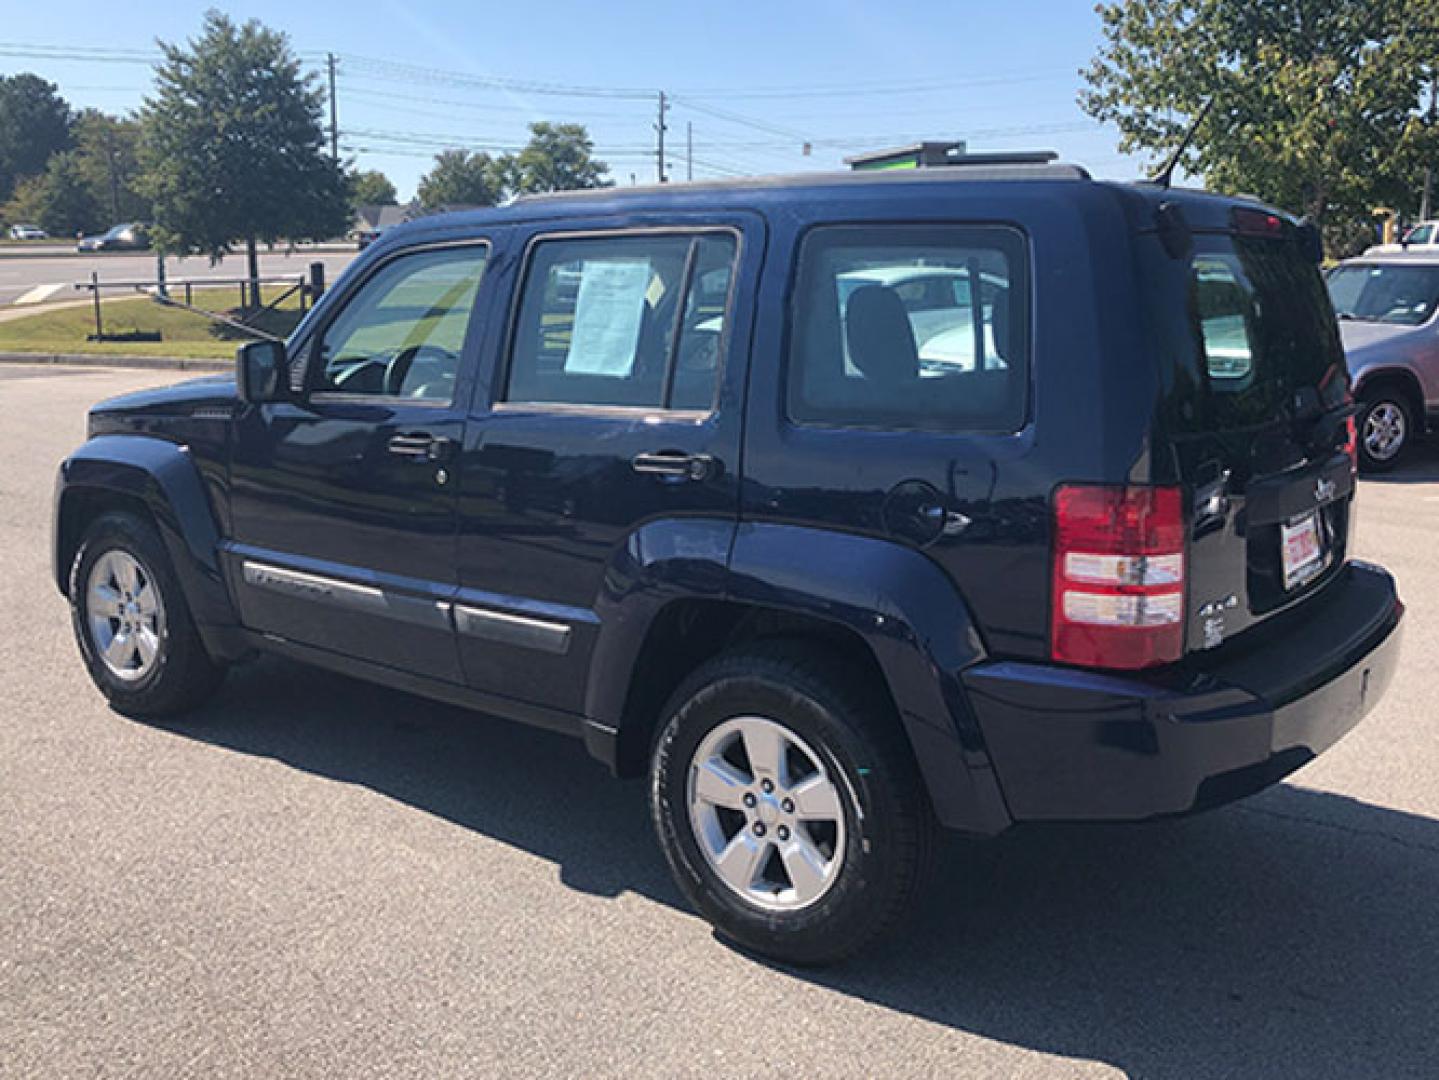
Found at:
[924, 155]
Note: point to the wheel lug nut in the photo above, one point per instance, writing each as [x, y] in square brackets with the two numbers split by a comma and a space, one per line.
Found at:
[759, 828]
[768, 786]
[749, 799]
[788, 806]
[783, 833]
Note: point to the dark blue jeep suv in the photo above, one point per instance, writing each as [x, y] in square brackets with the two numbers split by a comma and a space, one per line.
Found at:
[843, 507]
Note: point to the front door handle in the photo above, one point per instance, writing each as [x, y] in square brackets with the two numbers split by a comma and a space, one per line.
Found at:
[421, 445]
[676, 465]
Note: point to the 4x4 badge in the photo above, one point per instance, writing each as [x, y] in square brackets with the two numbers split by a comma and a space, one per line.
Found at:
[1323, 490]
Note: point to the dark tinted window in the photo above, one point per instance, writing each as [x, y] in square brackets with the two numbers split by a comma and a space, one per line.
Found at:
[911, 327]
[628, 320]
[1265, 325]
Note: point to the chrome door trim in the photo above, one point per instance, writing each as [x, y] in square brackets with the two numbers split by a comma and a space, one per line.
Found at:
[506, 629]
[349, 595]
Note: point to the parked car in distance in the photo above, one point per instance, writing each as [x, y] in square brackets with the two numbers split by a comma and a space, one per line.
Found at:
[129, 237]
[28, 232]
[1388, 308]
[1418, 238]
[669, 470]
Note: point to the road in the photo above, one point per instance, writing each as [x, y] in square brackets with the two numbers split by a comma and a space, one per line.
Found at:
[313, 877]
[54, 274]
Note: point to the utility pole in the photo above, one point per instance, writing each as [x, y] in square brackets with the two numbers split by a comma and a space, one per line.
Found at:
[334, 123]
[1429, 169]
[689, 149]
[660, 148]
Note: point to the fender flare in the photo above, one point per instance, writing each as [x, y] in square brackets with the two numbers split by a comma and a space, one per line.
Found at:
[907, 611]
[1403, 375]
[162, 476]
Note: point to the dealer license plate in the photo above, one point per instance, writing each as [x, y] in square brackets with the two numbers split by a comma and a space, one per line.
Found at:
[1303, 551]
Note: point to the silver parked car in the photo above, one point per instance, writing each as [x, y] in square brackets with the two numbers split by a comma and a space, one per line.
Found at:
[1387, 306]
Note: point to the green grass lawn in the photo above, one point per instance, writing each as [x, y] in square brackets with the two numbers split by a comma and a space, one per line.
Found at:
[183, 333]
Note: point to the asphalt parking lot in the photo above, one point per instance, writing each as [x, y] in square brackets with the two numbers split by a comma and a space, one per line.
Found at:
[313, 877]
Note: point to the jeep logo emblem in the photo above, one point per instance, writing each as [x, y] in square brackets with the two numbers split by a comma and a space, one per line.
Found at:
[1323, 490]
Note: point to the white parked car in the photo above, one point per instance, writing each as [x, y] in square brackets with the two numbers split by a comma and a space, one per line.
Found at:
[28, 232]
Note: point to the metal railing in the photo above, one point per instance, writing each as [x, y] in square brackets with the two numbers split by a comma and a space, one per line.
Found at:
[309, 286]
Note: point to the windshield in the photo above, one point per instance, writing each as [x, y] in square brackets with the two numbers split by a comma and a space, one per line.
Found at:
[1386, 294]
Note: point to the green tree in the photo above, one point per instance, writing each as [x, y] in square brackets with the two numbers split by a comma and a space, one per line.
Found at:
[108, 149]
[370, 187]
[460, 178]
[559, 157]
[34, 123]
[234, 146]
[1316, 107]
[60, 200]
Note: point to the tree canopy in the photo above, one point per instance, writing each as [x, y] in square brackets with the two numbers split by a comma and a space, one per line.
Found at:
[234, 144]
[34, 124]
[558, 157]
[1318, 107]
[370, 187]
[107, 149]
[460, 178]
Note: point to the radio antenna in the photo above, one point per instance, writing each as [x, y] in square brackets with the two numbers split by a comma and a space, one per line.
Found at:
[1166, 174]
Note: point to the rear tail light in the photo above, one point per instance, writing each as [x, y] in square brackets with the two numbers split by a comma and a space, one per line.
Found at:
[1351, 442]
[1118, 578]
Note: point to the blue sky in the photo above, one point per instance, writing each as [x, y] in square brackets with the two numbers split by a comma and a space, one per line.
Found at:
[755, 80]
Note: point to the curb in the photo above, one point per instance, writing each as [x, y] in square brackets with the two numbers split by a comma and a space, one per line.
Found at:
[157, 363]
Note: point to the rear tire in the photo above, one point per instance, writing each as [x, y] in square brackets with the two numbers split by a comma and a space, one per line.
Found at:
[815, 853]
[1385, 428]
[132, 623]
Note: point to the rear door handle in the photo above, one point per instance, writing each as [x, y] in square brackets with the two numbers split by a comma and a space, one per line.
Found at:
[421, 445]
[676, 465]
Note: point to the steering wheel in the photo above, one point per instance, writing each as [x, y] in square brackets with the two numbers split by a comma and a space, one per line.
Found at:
[422, 371]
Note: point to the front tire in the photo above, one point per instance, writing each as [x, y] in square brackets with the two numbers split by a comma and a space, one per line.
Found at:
[788, 804]
[132, 623]
[1385, 428]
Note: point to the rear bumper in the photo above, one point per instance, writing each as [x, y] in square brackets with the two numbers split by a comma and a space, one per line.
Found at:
[1076, 745]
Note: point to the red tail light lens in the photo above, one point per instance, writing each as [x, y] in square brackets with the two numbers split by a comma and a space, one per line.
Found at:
[1351, 442]
[1118, 579]
[1258, 223]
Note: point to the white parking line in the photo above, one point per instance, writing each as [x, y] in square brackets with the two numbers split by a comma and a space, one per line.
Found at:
[40, 293]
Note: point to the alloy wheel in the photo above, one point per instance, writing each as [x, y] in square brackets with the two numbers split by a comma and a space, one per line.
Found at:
[1385, 429]
[767, 814]
[125, 615]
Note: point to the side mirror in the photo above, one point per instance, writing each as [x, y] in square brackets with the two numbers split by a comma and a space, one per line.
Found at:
[262, 372]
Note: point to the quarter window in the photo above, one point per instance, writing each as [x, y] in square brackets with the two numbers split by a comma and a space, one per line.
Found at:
[623, 321]
[402, 333]
[911, 327]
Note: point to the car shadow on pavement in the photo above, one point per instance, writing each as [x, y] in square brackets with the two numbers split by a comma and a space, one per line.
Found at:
[1420, 465]
[1295, 934]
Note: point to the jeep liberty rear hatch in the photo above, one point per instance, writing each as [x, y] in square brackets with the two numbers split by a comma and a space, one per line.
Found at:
[1256, 421]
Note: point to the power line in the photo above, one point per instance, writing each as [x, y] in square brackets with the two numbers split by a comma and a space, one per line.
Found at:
[396, 71]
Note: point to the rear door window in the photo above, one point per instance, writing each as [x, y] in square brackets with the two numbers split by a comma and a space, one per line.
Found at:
[632, 321]
[911, 327]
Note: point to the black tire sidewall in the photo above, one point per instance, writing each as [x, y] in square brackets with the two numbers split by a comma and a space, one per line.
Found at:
[826, 929]
[1368, 404]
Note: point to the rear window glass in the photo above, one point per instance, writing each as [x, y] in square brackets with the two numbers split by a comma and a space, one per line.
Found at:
[1403, 295]
[1265, 327]
[911, 327]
